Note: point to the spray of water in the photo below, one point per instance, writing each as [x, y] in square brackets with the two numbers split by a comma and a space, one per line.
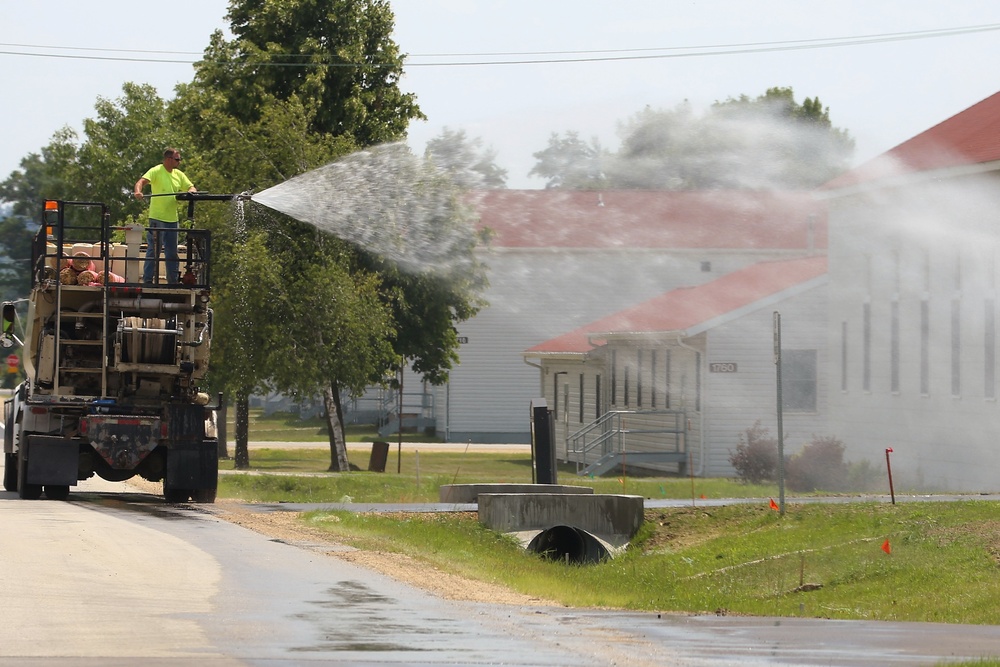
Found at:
[386, 201]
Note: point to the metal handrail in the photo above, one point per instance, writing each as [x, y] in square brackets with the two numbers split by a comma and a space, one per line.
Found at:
[611, 425]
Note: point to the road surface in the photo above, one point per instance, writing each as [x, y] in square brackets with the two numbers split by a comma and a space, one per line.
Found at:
[113, 579]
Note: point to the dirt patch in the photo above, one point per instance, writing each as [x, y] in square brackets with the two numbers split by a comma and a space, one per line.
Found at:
[287, 527]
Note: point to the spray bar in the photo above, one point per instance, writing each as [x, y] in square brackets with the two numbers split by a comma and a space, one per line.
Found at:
[204, 196]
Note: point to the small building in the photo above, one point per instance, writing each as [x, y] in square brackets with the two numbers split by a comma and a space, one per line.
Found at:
[674, 380]
[562, 258]
[914, 242]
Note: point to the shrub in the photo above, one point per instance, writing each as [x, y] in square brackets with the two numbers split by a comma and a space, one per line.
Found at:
[863, 476]
[820, 465]
[756, 457]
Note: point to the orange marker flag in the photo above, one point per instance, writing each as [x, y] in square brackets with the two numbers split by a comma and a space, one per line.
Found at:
[886, 548]
[774, 505]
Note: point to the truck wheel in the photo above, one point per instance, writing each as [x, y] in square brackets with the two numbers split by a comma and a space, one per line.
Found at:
[172, 495]
[24, 490]
[10, 472]
[56, 491]
[203, 495]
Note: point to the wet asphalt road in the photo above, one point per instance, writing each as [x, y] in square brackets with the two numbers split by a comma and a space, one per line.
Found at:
[112, 578]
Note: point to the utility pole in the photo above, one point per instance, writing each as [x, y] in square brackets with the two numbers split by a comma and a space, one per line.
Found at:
[781, 428]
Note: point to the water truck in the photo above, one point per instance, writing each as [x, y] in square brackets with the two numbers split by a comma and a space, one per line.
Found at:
[113, 364]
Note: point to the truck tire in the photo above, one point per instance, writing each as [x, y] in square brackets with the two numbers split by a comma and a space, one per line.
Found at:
[172, 495]
[56, 491]
[203, 495]
[25, 491]
[10, 472]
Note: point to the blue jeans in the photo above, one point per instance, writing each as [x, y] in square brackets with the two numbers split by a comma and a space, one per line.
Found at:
[167, 241]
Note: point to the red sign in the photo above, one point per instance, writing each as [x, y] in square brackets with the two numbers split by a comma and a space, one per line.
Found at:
[13, 362]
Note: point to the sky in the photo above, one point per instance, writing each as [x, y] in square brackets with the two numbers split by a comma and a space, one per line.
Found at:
[883, 81]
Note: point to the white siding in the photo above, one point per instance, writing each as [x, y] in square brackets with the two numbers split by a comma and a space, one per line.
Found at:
[934, 243]
[736, 400]
[537, 295]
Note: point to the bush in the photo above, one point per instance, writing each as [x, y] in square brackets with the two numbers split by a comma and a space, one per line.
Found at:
[820, 465]
[756, 457]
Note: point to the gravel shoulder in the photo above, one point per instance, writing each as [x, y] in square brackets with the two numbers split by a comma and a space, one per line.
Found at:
[288, 527]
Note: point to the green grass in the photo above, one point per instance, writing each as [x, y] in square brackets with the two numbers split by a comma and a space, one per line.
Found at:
[288, 427]
[299, 475]
[740, 559]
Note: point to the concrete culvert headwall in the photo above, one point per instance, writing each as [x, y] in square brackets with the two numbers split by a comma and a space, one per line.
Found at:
[581, 528]
[569, 544]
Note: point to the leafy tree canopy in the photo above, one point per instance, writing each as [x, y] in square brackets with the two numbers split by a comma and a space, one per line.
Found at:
[767, 142]
[570, 162]
[465, 160]
[337, 56]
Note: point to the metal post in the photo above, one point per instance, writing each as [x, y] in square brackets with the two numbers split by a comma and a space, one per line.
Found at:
[781, 427]
[399, 431]
[888, 467]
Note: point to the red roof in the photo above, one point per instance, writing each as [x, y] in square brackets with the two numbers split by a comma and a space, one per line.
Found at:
[652, 219]
[688, 308]
[969, 137]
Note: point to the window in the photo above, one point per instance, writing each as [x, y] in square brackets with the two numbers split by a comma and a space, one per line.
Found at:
[625, 382]
[581, 398]
[990, 350]
[798, 380]
[555, 396]
[894, 347]
[614, 377]
[638, 379]
[843, 356]
[666, 384]
[925, 348]
[956, 348]
[866, 350]
[652, 377]
[566, 402]
[697, 381]
[597, 397]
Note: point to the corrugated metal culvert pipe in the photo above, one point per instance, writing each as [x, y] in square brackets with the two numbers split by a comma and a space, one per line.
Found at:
[569, 544]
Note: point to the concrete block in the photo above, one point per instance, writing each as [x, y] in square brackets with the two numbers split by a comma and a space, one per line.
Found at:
[615, 518]
[468, 493]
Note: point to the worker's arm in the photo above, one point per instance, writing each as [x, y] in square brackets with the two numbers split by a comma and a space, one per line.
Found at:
[139, 185]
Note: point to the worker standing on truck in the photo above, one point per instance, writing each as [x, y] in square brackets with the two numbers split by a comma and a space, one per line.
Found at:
[163, 179]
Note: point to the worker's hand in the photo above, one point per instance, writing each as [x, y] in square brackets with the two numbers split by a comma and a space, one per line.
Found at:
[138, 195]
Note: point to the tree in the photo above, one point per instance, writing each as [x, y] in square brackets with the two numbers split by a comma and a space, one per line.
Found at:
[343, 347]
[243, 331]
[15, 258]
[399, 218]
[45, 175]
[570, 162]
[465, 160]
[781, 141]
[125, 138]
[303, 82]
[337, 56]
[767, 142]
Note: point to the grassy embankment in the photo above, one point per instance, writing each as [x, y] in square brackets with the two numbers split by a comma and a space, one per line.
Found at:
[415, 476]
[818, 560]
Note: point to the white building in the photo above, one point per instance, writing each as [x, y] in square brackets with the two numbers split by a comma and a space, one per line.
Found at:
[914, 238]
[672, 382]
[560, 259]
